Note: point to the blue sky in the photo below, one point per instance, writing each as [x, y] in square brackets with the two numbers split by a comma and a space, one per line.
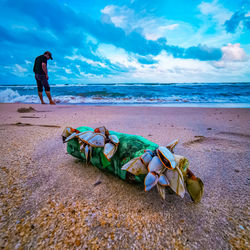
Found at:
[126, 41]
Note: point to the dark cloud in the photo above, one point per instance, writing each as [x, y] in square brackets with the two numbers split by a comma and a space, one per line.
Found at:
[26, 37]
[239, 17]
[4, 35]
[203, 53]
[70, 27]
[233, 23]
[47, 14]
[37, 26]
[200, 52]
[146, 60]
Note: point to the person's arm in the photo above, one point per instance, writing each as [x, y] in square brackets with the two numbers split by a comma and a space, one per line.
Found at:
[44, 67]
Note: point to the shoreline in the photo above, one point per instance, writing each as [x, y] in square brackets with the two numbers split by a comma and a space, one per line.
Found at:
[50, 198]
[169, 105]
[166, 95]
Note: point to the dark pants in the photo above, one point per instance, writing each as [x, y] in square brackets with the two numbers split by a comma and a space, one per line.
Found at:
[42, 82]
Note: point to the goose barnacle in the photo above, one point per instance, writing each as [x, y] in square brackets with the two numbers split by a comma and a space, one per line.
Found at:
[136, 159]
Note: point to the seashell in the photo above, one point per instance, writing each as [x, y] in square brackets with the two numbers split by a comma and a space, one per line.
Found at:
[146, 158]
[195, 189]
[161, 190]
[86, 136]
[82, 147]
[135, 166]
[97, 141]
[90, 152]
[102, 130]
[195, 186]
[166, 157]
[66, 132]
[181, 162]
[163, 180]
[176, 180]
[114, 139]
[172, 145]
[87, 153]
[72, 136]
[150, 181]
[149, 151]
[155, 165]
[109, 150]
[178, 158]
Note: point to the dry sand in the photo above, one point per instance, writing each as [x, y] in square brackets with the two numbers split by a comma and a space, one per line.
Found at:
[49, 198]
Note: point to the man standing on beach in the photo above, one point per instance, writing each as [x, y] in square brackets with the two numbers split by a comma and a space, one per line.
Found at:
[41, 75]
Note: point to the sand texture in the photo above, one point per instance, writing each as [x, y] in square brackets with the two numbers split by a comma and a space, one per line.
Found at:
[50, 199]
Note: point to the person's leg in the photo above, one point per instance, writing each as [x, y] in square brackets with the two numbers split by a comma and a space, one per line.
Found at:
[40, 88]
[40, 94]
[47, 90]
[49, 96]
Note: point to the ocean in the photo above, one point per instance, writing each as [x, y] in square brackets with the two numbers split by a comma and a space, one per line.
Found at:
[136, 94]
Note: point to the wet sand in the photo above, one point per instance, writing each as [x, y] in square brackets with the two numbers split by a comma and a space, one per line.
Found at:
[49, 198]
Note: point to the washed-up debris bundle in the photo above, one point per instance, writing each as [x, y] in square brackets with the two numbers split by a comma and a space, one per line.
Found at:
[135, 159]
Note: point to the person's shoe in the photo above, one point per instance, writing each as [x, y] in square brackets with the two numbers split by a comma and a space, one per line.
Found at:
[52, 103]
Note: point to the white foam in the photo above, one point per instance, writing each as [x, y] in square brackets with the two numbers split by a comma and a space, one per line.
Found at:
[11, 96]
[69, 99]
[29, 87]
[96, 100]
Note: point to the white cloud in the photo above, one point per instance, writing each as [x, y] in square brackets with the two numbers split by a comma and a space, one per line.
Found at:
[121, 17]
[17, 70]
[232, 55]
[118, 20]
[68, 71]
[172, 26]
[109, 9]
[170, 69]
[28, 62]
[232, 67]
[84, 59]
[233, 52]
[212, 14]
[179, 33]
[212, 30]
[118, 56]
[150, 26]
[215, 10]
[154, 29]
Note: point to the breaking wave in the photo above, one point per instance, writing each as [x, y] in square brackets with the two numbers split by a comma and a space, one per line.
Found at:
[13, 96]
[134, 94]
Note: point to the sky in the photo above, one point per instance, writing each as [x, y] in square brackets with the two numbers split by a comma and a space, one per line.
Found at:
[126, 41]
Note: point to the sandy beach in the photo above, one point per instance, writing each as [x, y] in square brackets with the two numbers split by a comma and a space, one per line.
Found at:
[50, 199]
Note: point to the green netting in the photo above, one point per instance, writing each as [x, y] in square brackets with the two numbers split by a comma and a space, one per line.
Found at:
[130, 146]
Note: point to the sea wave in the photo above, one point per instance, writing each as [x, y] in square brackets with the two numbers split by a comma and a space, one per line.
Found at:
[107, 100]
[119, 96]
[13, 96]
